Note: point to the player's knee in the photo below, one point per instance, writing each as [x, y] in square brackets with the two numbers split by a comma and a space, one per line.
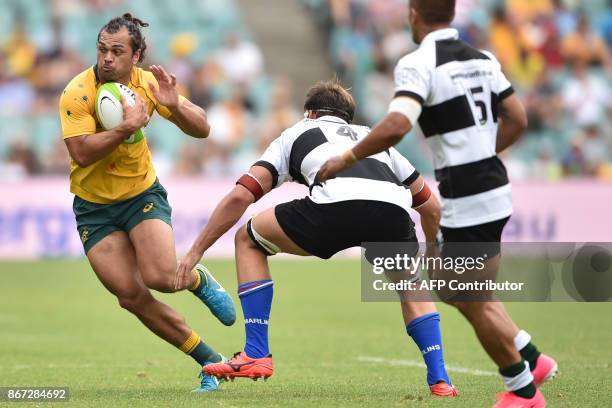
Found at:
[161, 281]
[461, 306]
[135, 302]
[160, 274]
[242, 238]
[470, 309]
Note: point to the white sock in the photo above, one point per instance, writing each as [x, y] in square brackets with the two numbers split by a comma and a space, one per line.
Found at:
[521, 340]
[520, 381]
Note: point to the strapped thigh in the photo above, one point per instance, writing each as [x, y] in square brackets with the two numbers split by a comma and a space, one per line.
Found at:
[262, 244]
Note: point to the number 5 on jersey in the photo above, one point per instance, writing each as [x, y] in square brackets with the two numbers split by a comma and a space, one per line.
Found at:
[477, 93]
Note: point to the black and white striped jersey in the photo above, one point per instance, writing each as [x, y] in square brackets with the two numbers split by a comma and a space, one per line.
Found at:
[300, 151]
[460, 88]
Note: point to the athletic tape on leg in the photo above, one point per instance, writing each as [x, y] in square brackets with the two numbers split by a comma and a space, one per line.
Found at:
[267, 246]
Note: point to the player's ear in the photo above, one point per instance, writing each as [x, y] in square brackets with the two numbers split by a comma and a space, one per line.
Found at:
[136, 57]
[412, 16]
[310, 114]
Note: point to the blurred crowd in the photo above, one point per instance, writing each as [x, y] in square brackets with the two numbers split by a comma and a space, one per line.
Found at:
[556, 53]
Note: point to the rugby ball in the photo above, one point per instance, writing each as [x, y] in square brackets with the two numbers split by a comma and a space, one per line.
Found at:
[109, 110]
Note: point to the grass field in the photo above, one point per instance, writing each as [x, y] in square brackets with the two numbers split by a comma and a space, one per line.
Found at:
[59, 327]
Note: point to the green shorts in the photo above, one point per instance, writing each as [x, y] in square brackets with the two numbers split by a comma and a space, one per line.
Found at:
[96, 221]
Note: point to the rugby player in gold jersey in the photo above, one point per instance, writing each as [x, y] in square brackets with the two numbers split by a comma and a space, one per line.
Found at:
[122, 212]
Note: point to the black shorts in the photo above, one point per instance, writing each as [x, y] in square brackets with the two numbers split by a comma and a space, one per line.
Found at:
[480, 239]
[325, 229]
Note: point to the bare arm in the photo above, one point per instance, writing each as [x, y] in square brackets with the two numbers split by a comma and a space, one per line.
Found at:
[384, 135]
[387, 133]
[512, 122]
[191, 119]
[429, 211]
[88, 149]
[227, 213]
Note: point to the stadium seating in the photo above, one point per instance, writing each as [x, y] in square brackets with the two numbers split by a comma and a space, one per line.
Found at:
[208, 22]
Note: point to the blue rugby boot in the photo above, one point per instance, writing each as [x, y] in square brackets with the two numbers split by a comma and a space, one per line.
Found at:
[214, 296]
[208, 383]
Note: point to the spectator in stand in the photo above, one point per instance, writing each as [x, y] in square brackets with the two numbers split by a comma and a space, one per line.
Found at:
[586, 98]
[182, 45]
[54, 67]
[565, 20]
[201, 84]
[352, 48]
[545, 167]
[550, 42]
[19, 50]
[378, 87]
[505, 38]
[527, 69]
[607, 25]
[585, 46]
[544, 105]
[340, 11]
[232, 122]
[215, 161]
[464, 10]
[241, 61]
[573, 162]
[474, 35]
[282, 114]
[526, 10]
[190, 160]
[22, 155]
[16, 94]
[396, 40]
[385, 13]
[57, 162]
[595, 147]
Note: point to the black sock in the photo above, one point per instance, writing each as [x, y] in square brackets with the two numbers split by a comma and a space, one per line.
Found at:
[527, 391]
[530, 353]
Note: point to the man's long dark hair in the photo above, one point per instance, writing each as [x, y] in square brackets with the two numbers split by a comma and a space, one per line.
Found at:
[133, 25]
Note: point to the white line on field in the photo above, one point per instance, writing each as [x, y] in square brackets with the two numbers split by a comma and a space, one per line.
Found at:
[71, 366]
[363, 359]
[420, 364]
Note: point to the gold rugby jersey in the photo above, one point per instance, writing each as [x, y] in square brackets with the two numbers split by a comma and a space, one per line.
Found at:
[128, 170]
